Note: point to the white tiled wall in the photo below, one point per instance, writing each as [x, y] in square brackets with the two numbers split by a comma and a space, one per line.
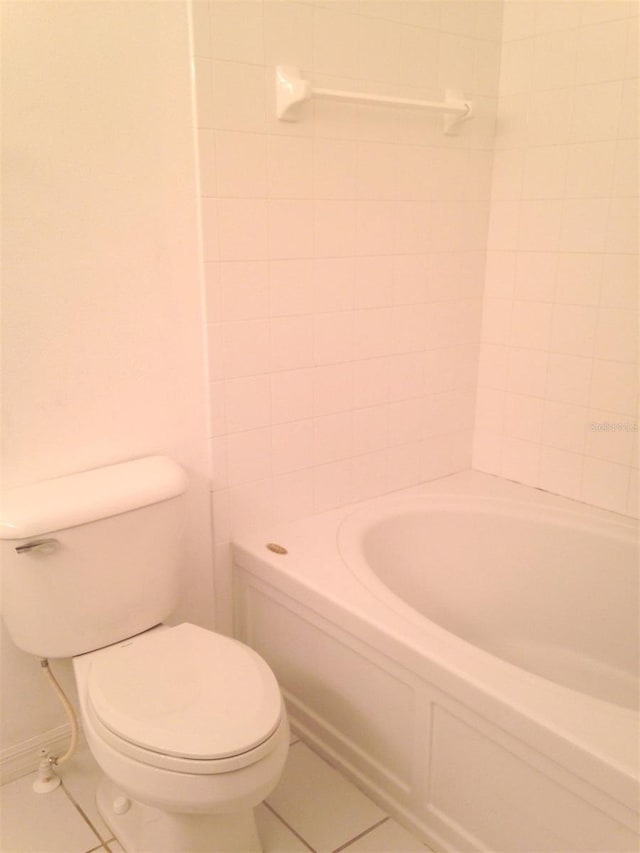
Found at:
[344, 253]
[560, 324]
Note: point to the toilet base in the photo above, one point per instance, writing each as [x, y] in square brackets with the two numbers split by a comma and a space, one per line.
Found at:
[143, 829]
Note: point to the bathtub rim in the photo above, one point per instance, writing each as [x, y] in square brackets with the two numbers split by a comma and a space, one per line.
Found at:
[595, 744]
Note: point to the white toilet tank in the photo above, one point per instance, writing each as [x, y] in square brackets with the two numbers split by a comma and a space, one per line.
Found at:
[109, 563]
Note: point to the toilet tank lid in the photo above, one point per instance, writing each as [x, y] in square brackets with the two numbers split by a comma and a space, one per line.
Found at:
[51, 505]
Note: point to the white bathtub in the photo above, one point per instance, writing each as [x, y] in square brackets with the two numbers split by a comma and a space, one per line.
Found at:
[467, 651]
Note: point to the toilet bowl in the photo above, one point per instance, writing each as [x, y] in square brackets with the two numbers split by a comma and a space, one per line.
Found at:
[188, 726]
[191, 732]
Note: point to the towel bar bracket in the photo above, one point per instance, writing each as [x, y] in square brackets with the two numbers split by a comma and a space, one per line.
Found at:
[292, 90]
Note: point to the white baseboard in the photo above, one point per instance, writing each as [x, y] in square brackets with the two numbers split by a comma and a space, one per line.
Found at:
[23, 758]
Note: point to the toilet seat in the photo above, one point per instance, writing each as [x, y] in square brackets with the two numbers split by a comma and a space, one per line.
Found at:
[185, 698]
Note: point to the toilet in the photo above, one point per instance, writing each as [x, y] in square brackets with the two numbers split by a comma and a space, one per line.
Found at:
[188, 726]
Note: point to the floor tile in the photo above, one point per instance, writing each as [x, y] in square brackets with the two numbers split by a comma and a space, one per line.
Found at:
[314, 804]
[275, 836]
[34, 823]
[80, 777]
[386, 837]
[319, 804]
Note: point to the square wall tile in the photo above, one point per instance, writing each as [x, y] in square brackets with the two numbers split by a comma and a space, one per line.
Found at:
[246, 347]
[569, 379]
[333, 284]
[333, 337]
[622, 226]
[540, 224]
[333, 388]
[535, 278]
[247, 402]
[238, 96]
[564, 426]
[523, 417]
[288, 34]
[292, 395]
[554, 60]
[573, 330]
[620, 281]
[290, 161]
[335, 32]
[333, 485]
[243, 290]
[293, 495]
[616, 335]
[292, 287]
[335, 228]
[243, 229]
[545, 170]
[560, 471]
[371, 382]
[527, 371]
[601, 51]
[605, 484]
[584, 225]
[578, 278]
[249, 456]
[292, 446]
[595, 111]
[520, 461]
[291, 343]
[241, 164]
[333, 437]
[370, 429]
[531, 324]
[290, 229]
[237, 31]
[614, 386]
[589, 171]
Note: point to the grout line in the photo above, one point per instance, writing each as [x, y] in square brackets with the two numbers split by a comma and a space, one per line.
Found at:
[289, 827]
[84, 817]
[361, 835]
[104, 846]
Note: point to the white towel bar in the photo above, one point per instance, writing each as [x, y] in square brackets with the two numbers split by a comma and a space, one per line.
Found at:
[292, 90]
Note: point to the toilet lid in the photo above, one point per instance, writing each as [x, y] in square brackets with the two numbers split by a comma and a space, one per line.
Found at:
[186, 692]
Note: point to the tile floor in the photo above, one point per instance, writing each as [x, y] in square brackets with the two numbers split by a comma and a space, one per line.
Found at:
[314, 808]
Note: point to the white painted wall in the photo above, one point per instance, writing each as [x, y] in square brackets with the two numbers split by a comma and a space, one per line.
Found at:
[102, 318]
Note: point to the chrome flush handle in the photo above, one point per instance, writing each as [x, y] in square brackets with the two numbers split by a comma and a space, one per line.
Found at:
[46, 545]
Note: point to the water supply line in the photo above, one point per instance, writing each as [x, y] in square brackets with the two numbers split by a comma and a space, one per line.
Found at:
[47, 779]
